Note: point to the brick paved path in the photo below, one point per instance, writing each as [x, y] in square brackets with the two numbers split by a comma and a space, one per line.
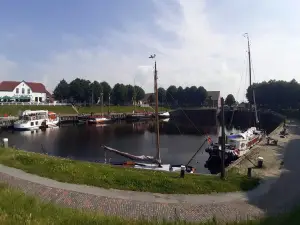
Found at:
[229, 206]
[132, 208]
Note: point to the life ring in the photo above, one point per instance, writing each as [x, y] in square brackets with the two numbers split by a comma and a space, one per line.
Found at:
[33, 117]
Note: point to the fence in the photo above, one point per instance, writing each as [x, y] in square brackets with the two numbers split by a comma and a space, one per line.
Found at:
[34, 103]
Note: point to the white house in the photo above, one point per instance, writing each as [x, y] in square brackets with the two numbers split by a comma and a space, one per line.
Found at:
[23, 91]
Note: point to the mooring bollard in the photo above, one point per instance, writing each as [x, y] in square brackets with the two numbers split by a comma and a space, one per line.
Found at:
[249, 172]
[5, 142]
[260, 161]
[182, 171]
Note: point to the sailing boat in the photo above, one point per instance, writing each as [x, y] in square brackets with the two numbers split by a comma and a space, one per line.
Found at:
[94, 119]
[240, 143]
[150, 162]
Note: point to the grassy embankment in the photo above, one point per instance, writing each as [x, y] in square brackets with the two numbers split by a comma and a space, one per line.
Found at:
[106, 176]
[17, 209]
[14, 109]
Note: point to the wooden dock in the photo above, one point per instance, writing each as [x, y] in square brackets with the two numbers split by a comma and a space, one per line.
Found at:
[6, 122]
[74, 118]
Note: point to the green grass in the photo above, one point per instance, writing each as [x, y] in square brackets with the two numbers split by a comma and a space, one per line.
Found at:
[14, 109]
[16, 208]
[106, 176]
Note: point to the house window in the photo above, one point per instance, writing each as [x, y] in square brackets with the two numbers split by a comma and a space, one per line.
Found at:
[28, 91]
[36, 99]
[23, 90]
[40, 99]
[32, 124]
[17, 90]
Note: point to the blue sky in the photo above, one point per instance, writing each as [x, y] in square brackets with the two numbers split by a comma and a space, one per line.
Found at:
[196, 42]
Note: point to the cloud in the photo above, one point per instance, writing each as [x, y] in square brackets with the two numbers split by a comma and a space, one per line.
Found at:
[7, 68]
[196, 43]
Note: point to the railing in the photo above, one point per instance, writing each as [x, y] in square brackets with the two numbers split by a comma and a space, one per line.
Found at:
[34, 103]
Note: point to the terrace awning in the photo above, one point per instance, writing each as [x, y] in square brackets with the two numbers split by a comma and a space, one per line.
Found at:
[6, 97]
[24, 97]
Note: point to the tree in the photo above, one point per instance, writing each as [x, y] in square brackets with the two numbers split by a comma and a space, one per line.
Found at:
[275, 94]
[201, 95]
[119, 93]
[106, 89]
[95, 91]
[80, 90]
[131, 95]
[171, 94]
[62, 91]
[140, 93]
[230, 100]
[161, 95]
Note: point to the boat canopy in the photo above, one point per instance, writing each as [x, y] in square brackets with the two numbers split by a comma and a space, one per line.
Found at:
[30, 112]
[236, 136]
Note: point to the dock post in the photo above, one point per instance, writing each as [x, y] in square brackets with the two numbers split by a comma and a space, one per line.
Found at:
[182, 171]
[5, 142]
[249, 173]
[223, 140]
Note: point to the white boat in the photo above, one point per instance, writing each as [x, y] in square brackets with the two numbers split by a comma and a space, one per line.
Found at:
[96, 120]
[35, 119]
[243, 142]
[164, 115]
[240, 143]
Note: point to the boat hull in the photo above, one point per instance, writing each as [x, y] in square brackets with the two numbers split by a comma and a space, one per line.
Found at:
[99, 120]
[155, 167]
[164, 115]
[138, 117]
[35, 125]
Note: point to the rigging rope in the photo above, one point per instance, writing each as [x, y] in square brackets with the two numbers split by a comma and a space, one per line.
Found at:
[231, 120]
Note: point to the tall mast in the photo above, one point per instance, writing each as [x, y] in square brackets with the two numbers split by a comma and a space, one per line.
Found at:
[156, 110]
[249, 63]
[250, 80]
[102, 104]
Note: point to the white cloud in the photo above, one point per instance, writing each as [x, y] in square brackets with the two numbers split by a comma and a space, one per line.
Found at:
[7, 68]
[195, 52]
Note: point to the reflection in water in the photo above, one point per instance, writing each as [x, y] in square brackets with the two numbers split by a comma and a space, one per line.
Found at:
[178, 142]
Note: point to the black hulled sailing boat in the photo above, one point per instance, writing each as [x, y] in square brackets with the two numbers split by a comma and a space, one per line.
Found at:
[150, 162]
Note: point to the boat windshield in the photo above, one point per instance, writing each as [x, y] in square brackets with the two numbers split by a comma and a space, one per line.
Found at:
[235, 136]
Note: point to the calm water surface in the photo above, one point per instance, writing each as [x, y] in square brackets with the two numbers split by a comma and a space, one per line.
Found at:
[178, 143]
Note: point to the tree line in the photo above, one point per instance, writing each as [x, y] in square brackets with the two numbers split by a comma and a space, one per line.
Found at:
[85, 91]
[275, 94]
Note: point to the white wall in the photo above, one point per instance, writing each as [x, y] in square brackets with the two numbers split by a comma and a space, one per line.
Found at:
[24, 86]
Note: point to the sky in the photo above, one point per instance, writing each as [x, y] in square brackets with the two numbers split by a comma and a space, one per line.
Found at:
[196, 42]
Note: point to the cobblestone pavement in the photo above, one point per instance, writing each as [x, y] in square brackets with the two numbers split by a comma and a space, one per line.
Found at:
[231, 206]
[135, 209]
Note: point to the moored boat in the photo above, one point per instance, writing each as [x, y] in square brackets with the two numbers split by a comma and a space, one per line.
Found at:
[36, 119]
[150, 162]
[164, 115]
[240, 143]
[98, 119]
[137, 116]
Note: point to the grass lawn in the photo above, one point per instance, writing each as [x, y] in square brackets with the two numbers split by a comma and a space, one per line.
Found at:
[14, 109]
[18, 209]
[106, 176]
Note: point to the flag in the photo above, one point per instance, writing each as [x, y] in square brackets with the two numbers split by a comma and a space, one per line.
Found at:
[208, 140]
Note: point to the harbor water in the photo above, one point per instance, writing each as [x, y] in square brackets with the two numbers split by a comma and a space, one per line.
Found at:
[83, 142]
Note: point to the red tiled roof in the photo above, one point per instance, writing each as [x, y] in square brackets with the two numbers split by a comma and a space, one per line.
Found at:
[8, 85]
[35, 87]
